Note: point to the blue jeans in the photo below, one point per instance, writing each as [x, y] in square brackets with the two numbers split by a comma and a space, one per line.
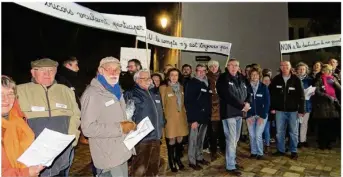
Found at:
[255, 133]
[71, 158]
[266, 133]
[232, 130]
[284, 120]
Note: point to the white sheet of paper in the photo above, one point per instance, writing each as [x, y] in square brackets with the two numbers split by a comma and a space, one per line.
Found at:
[143, 129]
[47, 146]
[308, 92]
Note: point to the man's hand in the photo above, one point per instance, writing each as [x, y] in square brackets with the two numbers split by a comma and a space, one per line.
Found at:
[246, 107]
[35, 170]
[195, 125]
[273, 111]
[127, 126]
[300, 115]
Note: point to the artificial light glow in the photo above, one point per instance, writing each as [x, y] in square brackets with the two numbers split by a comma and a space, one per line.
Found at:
[164, 22]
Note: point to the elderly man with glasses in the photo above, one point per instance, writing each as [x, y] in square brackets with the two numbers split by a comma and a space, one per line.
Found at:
[47, 104]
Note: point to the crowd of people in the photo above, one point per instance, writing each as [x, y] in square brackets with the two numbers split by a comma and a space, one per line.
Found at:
[210, 109]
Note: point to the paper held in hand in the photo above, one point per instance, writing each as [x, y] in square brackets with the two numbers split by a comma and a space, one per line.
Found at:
[47, 146]
[143, 129]
[309, 92]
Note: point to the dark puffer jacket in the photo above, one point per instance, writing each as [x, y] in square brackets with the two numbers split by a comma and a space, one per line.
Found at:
[147, 103]
[323, 106]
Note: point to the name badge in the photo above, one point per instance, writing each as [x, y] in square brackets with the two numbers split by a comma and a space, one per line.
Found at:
[259, 95]
[109, 103]
[210, 91]
[278, 86]
[59, 105]
[203, 90]
[72, 88]
[170, 95]
[37, 108]
[230, 83]
[291, 88]
[158, 101]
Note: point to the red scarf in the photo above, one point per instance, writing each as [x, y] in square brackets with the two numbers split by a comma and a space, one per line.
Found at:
[329, 89]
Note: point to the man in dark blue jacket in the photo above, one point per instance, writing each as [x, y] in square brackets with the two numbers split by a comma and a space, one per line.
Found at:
[147, 104]
[232, 90]
[198, 108]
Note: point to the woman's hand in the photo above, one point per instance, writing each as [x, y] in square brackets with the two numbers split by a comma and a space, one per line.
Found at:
[35, 170]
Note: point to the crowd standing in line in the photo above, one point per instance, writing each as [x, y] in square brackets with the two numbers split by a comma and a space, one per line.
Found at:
[183, 108]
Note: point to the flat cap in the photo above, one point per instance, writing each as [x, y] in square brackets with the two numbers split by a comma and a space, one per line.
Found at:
[45, 62]
[109, 60]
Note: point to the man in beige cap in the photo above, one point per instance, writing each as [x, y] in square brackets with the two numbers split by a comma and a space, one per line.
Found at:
[104, 120]
[47, 104]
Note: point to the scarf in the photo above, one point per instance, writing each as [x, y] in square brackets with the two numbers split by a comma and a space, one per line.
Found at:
[254, 87]
[177, 92]
[204, 80]
[17, 136]
[115, 90]
[329, 88]
[302, 77]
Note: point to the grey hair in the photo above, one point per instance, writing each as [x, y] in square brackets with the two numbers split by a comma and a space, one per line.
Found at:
[8, 83]
[136, 76]
[213, 62]
[303, 64]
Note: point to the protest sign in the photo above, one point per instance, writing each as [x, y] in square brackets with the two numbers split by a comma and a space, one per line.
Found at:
[310, 43]
[127, 54]
[75, 13]
[187, 44]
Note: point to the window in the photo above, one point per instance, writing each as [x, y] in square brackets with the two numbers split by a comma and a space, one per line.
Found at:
[291, 33]
[301, 33]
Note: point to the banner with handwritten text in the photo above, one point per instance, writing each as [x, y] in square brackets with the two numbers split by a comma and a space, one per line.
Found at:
[73, 12]
[310, 43]
[188, 44]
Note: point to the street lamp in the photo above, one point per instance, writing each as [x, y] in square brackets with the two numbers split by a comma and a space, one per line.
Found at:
[164, 22]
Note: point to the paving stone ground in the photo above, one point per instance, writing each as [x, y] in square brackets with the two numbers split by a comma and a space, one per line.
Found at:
[311, 162]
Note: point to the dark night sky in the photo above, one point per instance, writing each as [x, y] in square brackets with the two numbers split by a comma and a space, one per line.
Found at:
[28, 35]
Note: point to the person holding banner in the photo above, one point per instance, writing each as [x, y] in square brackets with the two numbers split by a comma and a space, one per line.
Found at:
[287, 103]
[16, 135]
[232, 90]
[175, 114]
[104, 121]
[126, 79]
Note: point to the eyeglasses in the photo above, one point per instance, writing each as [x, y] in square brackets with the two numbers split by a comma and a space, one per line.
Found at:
[146, 79]
[10, 96]
[110, 70]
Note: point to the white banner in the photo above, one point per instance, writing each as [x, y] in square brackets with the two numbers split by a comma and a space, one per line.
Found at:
[189, 44]
[127, 54]
[310, 43]
[81, 15]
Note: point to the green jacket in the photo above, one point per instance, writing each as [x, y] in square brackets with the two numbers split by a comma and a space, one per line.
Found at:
[54, 108]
